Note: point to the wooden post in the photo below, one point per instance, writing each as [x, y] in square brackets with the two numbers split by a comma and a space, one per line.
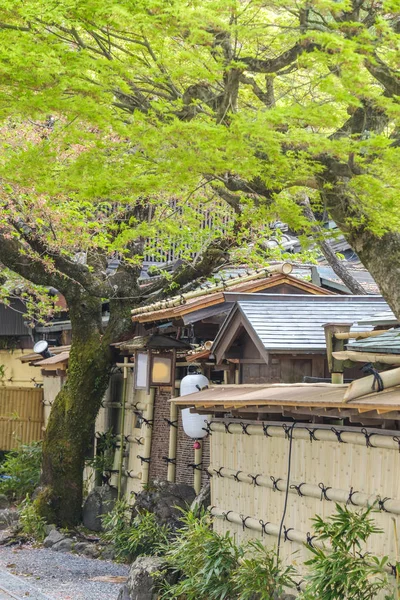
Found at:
[335, 345]
[198, 457]
[148, 434]
[173, 436]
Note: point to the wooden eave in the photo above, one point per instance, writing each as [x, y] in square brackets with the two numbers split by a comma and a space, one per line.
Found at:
[208, 300]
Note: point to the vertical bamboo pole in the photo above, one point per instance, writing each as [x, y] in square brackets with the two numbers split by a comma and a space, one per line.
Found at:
[122, 435]
[148, 434]
[198, 457]
[173, 436]
[334, 345]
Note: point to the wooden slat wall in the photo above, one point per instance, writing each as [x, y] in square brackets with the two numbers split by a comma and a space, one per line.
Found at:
[21, 416]
[373, 471]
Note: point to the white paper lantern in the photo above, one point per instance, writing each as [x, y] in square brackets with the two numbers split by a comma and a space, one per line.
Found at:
[193, 423]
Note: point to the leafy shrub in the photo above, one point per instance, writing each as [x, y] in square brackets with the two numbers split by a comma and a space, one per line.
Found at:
[104, 458]
[213, 567]
[134, 536]
[20, 471]
[32, 524]
[260, 575]
[346, 572]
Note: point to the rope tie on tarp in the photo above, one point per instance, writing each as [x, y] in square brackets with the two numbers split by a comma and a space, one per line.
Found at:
[298, 585]
[298, 488]
[324, 490]
[338, 434]
[172, 423]
[209, 475]
[244, 427]
[362, 556]
[396, 439]
[254, 478]
[286, 537]
[377, 384]
[275, 483]
[207, 427]
[139, 441]
[236, 476]
[196, 466]
[244, 519]
[350, 498]
[310, 538]
[263, 527]
[218, 472]
[169, 461]
[143, 459]
[312, 434]
[226, 515]
[393, 569]
[367, 437]
[130, 474]
[288, 431]
[227, 430]
[265, 430]
[381, 504]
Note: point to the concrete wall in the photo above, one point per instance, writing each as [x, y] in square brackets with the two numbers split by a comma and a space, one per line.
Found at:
[17, 373]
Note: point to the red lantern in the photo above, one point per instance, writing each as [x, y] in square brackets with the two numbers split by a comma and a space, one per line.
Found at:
[197, 445]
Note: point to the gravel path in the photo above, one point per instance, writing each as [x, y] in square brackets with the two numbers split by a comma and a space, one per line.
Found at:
[64, 576]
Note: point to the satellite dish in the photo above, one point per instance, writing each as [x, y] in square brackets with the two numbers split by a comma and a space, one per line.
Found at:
[42, 347]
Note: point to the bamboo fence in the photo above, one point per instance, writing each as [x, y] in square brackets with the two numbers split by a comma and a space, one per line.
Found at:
[21, 416]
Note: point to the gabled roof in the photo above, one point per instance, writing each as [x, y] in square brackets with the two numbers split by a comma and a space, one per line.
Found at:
[292, 323]
[208, 300]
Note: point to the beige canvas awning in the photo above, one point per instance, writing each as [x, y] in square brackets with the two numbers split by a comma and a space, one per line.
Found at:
[303, 395]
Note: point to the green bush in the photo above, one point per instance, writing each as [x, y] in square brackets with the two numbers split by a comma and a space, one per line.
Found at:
[20, 471]
[260, 575]
[213, 567]
[32, 524]
[134, 536]
[346, 572]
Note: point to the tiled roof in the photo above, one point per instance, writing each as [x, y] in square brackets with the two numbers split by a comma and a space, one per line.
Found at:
[295, 322]
[386, 343]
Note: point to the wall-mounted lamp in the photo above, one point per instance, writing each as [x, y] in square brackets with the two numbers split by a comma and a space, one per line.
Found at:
[153, 370]
[42, 347]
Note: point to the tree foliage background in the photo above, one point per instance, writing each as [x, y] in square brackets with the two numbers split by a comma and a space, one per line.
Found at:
[283, 110]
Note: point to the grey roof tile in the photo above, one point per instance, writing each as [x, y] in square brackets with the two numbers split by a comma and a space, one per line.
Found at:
[295, 322]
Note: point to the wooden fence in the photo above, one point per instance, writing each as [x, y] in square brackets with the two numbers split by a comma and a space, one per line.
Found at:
[21, 416]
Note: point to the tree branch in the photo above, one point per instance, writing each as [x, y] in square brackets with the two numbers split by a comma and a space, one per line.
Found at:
[338, 267]
[273, 65]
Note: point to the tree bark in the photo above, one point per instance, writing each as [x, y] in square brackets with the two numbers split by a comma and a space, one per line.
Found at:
[70, 428]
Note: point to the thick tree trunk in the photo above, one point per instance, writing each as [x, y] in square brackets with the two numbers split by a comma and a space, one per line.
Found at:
[70, 428]
[381, 256]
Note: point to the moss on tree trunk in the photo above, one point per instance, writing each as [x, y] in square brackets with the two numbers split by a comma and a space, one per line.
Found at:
[70, 429]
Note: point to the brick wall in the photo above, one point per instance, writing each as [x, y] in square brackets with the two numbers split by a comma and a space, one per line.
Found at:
[160, 438]
[160, 443]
